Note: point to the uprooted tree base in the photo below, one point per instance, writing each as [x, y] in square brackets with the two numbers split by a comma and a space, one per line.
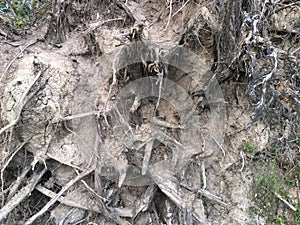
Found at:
[56, 171]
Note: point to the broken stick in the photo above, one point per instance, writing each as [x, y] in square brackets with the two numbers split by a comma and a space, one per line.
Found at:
[63, 190]
[21, 195]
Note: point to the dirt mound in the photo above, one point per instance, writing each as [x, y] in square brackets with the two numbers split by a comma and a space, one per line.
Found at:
[152, 112]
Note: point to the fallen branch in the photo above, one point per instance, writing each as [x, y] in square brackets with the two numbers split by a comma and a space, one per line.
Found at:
[111, 213]
[64, 162]
[23, 101]
[126, 9]
[166, 124]
[212, 197]
[206, 194]
[113, 84]
[164, 177]
[12, 44]
[180, 8]
[123, 212]
[66, 200]
[5, 165]
[14, 188]
[220, 146]
[10, 64]
[93, 192]
[285, 201]
[75, 116]
[293, 52]
[287, 6]
[160, 79]
[94, 26]
[170, 14]
[63, 190]
[21, 195]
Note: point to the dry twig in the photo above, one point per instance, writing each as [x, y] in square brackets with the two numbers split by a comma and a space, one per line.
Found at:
[14, 188]
[285, 201]
[12, 44]
[10, 64]
[23, 101]
[75, 116]
[127, 10]
[243, 162]
[212, 197]
[166, 124]
[63, 162]
[160, 80]
[287, 6]
[111, 213]
[203, 176]
[94, 26]
[58, 195]
[169, 185]
[66, 200]
[21, 195]
[180, 8]
[4, 167]
[147, 156]
[206, 194]
[113, 84]
[170, 13]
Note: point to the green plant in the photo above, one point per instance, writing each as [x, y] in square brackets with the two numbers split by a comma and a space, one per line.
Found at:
[297, 215]
[248, 147]
[270, 184]
[274, 182]
[297, 139]
[223, 176]
[279, 220]
[20, 14]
